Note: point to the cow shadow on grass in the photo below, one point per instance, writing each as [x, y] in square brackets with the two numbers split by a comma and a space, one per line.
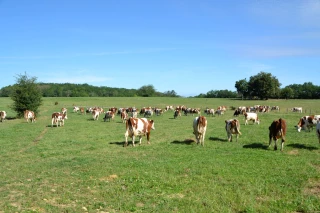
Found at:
[119, 143]
[302, 146]
[255, 146]
[10, 118]
[218, 139]
[184, 142]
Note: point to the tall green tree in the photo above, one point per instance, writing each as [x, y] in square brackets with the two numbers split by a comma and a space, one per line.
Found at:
[264, 86]
[147, 91]
[26, 94]
[287, 93]
[242, 87]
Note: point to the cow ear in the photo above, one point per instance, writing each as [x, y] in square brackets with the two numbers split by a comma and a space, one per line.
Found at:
[226, 121]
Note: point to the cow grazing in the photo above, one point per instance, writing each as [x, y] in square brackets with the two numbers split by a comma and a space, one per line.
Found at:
[124, 116]
[168, 108]
[158, 111]
[3, 115]
[210, 112]
[297, 109]
[29, 115]
[275, 108]
[76, 109]
[200, 128]
[176, 113]
[318, 129]
[232, 128]
[307, 122]
[251, 116]
[58, 118]
[109, 116]
[138, 127]
[148, 113]
[96, 112]
[277, 129]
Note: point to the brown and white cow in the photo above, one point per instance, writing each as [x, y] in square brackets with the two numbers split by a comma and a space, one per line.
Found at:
[168, 108]
[96, 112]
[109, 116]
[251, 116]
[123, 116]
[3, 115]
[232, 128]
[138, 127]
[277, 129]
[64, 110]
[29, 115]
[58, 118]
[200, 128]
[176, 113]
[307, 122]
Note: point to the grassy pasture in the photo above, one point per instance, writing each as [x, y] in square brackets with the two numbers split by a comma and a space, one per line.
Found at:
[83, 166]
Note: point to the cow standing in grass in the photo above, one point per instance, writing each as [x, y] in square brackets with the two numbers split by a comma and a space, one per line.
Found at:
[251, 116]
[29, 115]
[3, 115]
[58, 118]
[138, 127]
[232, 128]
[277, 129]
[200, 128]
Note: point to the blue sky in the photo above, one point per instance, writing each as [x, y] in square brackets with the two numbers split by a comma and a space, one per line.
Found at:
[188, 46]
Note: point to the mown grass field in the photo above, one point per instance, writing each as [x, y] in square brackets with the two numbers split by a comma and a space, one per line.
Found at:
[83, 166]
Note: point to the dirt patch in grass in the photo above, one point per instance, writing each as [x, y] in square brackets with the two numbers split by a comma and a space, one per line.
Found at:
[109, 178]
[293, 152]
[313, 187]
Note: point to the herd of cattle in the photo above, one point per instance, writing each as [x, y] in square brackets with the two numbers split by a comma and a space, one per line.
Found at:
[138, 127]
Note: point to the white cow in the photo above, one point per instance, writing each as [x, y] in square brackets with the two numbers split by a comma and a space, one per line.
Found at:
[297, 109]
[200, 128]
[138, 127]
[232, 127]
[3, 115]
[251, 116]
[76, 109]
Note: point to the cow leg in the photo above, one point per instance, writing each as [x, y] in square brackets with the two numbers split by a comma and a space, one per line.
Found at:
[133, 138]
[282, 143]
[126, 138]
[148, 137]
[237, 136]
[275, 144]
[140, 139]
[202, 138]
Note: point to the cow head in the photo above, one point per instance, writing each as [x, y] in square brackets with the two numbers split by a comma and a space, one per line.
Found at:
[151, 124]
[300, 124]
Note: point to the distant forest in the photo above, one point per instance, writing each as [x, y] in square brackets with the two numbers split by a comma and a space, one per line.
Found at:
[260, 86]
[86, 90]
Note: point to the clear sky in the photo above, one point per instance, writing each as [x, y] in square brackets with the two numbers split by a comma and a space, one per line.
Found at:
[189, 46]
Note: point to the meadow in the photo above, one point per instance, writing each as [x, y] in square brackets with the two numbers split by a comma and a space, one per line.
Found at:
[83, 166]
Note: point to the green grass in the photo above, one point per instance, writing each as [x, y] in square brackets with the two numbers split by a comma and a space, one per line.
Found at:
[83, 166]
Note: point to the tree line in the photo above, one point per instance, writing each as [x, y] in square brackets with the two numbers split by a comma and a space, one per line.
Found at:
[86, 90]
[261, 86]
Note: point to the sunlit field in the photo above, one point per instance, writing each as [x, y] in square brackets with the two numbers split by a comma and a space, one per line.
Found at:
[83, 166]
